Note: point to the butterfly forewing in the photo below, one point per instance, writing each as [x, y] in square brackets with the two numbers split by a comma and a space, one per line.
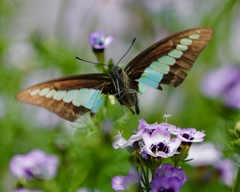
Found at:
[162, 63]
[69, 97]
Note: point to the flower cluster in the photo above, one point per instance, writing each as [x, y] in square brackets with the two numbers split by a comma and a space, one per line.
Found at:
[150, 145]
[155, 139]
[223, 83]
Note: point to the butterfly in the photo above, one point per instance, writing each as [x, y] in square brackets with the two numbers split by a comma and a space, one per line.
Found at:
[162, 63]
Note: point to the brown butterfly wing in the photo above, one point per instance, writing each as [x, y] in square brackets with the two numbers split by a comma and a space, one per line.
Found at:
[69, 97]
[178, 51]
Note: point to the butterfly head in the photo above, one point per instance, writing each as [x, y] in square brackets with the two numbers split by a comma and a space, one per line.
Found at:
[116, 72]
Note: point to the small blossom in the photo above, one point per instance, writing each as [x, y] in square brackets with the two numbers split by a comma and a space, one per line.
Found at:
[99, 41]
[35, 164]
[117, 182]
[189, 135]
[120, 142]
[168, 178]
[120, 183]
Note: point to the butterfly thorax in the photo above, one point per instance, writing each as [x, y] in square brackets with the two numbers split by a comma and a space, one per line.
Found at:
[125, 89]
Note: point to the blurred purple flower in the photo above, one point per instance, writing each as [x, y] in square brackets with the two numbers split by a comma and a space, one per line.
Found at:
[35, 164]
[231, 97]
[204, 154]
[227, 170]
[99, 41]
[224, 83]
[207, 154]
[120, 182]
[168, 178]
[25, 190]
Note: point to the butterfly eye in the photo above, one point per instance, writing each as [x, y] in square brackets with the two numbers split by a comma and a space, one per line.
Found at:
[119, 70]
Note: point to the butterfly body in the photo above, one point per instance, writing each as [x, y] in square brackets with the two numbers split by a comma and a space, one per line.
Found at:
[162, 63]
[126, 89]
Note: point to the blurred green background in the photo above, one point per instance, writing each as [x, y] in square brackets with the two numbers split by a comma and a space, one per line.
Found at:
[39, 40]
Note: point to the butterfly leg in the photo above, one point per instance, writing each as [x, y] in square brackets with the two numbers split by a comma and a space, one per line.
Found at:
[126, 92]
[127, 107]
[130, 109]
[137, 107]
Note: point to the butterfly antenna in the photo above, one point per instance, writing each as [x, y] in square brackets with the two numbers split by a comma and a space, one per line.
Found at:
[127, 51]
[90, 61]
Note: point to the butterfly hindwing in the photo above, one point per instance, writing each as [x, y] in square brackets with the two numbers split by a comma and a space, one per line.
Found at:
[162, 63]
[69, 97]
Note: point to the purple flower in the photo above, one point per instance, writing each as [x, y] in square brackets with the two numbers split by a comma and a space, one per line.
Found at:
[120, 142]
[223, 83]
[168, 178]
[159, 143]
[99, 41]
[189, 135]
[35, 164]
[150, 127]
[120, 182]
[204, 154]
[25, 190]
[220, 80]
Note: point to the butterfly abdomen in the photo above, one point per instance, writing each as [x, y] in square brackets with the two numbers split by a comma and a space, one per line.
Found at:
[126, 91]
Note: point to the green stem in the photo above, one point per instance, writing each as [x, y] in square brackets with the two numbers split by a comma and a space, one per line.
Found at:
[237, 182]
[145, 178]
